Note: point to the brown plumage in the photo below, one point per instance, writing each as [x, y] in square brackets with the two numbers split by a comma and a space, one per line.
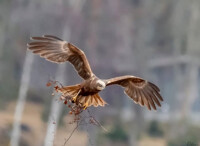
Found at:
[86, 93]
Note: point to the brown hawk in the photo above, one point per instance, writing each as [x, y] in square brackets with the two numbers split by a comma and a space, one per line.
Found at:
[86, 93]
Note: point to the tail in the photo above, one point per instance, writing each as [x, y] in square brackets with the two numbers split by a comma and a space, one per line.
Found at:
[90, 100]
[85, 100]
[69, 91]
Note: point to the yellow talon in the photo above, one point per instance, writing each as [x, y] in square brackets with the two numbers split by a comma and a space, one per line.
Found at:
[74, 98]
[85, 106]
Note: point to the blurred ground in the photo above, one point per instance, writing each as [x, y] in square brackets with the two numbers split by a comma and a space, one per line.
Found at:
[33, 129]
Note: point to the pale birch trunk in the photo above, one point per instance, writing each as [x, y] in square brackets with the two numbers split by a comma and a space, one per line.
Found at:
[191, 88]
[56, 108]
[15, 136]
[2, 39]
[1, 50]
[177, 29]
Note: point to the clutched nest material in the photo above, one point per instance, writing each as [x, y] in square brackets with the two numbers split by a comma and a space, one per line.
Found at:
[75, 108]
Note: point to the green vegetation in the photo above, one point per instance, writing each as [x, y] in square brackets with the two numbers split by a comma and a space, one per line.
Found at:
[155, 130]
[189, 138]
[118, 134]
[181, 142]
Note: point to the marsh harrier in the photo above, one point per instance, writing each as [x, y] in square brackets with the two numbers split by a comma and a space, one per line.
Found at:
[86, 93]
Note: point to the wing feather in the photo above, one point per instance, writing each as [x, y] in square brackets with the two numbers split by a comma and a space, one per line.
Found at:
[153, 97]
[58, 51]
[151, 102]
[141, 98]
[141, 91]
[138, 96]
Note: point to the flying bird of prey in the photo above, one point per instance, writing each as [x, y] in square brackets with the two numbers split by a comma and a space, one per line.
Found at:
[86, 93]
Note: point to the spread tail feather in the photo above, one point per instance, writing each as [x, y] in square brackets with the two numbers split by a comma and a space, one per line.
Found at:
[69, 91]
[90, 100]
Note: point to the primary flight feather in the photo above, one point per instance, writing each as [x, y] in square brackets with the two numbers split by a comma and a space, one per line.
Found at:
[86, 93]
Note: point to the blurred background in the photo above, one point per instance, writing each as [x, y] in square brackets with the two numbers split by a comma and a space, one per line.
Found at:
[155, 39]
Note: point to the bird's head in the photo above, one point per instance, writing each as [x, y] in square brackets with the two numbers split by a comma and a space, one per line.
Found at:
[100, 85]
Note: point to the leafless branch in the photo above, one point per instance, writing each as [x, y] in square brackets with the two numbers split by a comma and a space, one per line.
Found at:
[77, 125]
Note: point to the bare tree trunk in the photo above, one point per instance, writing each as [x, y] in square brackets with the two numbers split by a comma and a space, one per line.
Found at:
[21, 99]
[3, 32]
[56, 108]
[2, 39]
[177, 30]
[143, 25]
[191, 88]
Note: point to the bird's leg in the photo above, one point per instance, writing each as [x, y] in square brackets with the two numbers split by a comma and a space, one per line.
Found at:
[85, 106]
[75, 97]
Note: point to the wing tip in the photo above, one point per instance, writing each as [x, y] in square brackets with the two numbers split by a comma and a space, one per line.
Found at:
[45, 38]
[154, 86]
[32, 38]
[149, 108]
[52, 37]
[35, 38]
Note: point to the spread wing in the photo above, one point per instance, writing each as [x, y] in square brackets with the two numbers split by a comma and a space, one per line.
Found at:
[58, 51]
[140, 90]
